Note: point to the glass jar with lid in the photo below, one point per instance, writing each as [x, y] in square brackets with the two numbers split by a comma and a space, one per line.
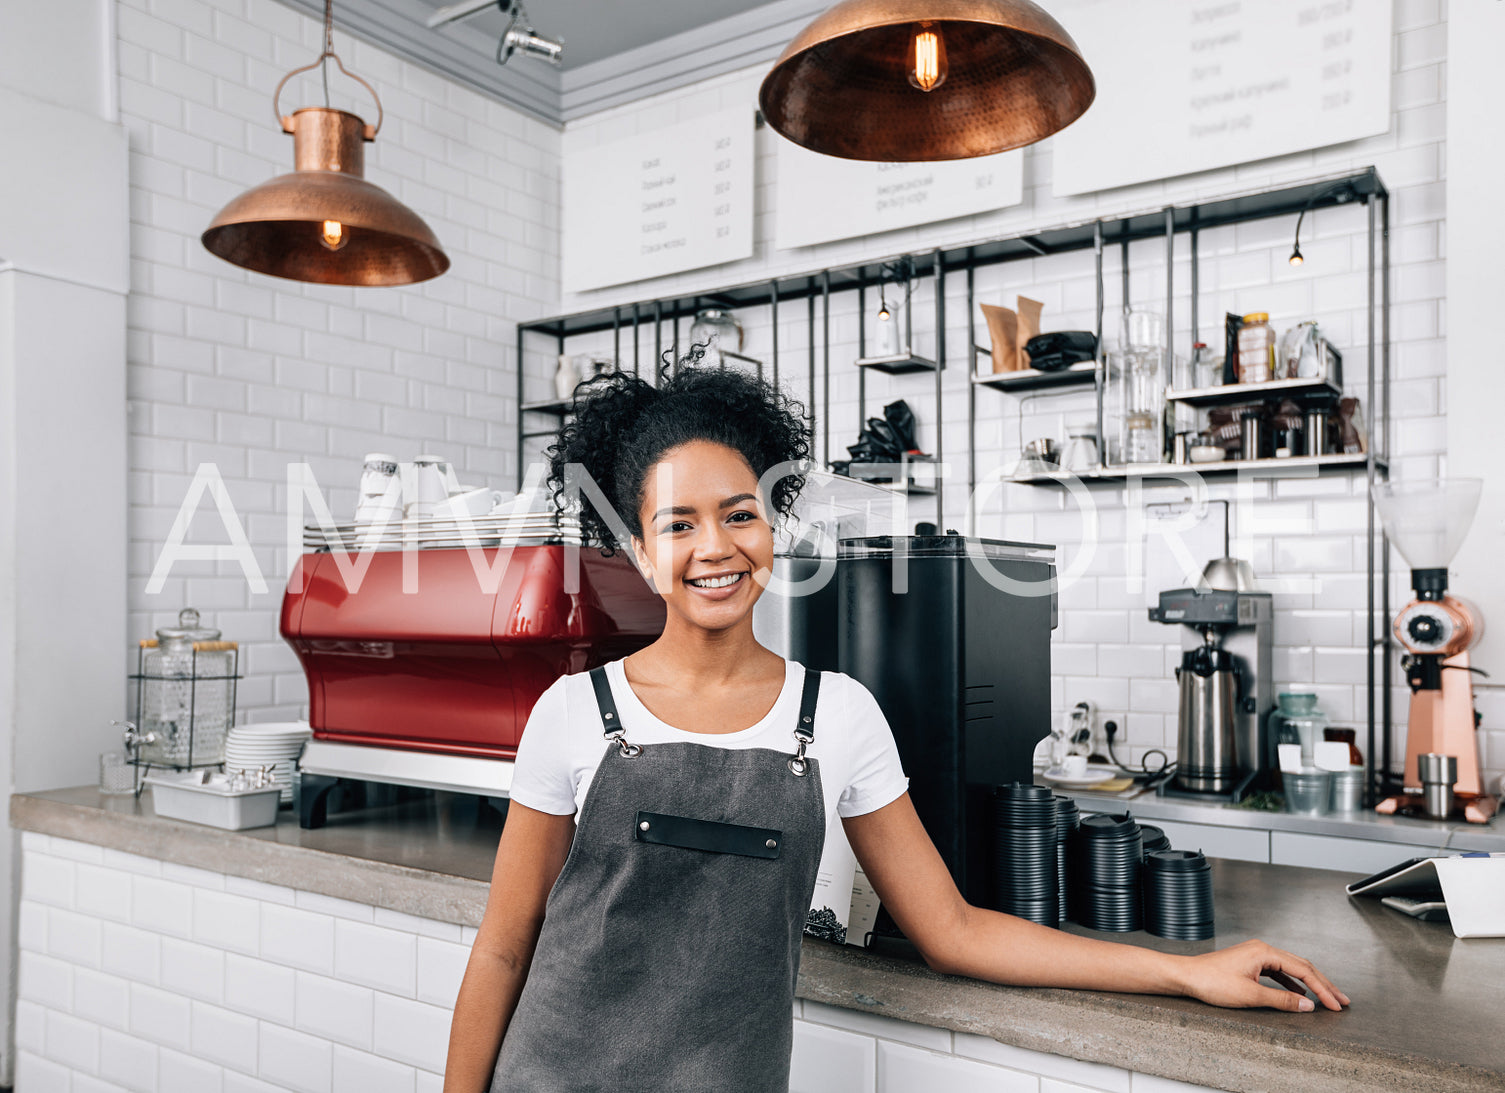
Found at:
[185, 697]
[1206, 367]
[1256, 349]
[718, 330]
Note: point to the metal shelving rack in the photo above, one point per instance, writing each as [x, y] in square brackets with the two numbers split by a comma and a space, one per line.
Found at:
[1361, 188]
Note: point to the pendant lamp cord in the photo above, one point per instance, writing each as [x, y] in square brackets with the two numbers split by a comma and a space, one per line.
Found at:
[328, 47]
[322, 63]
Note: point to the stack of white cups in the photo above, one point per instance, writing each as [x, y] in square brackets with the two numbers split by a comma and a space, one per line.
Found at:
[429, 482]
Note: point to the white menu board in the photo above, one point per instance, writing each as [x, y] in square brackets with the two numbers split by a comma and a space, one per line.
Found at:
[674, 199]
[1193, 85]
[821, 198]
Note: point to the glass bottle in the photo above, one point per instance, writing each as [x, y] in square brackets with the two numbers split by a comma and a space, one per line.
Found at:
[1206, 367]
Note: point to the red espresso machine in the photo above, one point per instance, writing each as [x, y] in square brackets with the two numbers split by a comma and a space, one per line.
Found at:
[425, 653]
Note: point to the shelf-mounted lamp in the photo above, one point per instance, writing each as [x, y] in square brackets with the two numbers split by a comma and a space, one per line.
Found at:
[1342, 193]
[324, 222]
[919, 80]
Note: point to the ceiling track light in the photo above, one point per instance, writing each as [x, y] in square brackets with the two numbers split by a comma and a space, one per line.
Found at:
[519, 37]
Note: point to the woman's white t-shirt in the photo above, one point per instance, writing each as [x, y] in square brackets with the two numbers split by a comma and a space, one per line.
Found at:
[562, 744]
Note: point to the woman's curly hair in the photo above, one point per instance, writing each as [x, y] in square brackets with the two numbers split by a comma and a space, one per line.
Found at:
[623, 425]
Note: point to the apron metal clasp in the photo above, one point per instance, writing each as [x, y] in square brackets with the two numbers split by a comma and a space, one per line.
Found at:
[798, 764]
[629, 751]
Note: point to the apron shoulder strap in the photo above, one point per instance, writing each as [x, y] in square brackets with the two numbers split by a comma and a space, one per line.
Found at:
[805, 729]
[611, 721]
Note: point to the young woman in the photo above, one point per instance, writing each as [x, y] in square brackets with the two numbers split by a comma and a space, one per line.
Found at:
[668, 810]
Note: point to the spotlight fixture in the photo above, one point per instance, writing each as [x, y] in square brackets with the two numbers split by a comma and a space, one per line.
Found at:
[324, 222]
[1341, 194]
[903, 81]
[527, 41]
[519, 37]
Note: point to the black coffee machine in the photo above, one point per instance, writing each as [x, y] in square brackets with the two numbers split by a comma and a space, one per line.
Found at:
[952, 636]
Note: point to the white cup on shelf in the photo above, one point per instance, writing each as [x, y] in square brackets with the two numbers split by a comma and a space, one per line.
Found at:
[430, 488]
[472, 503]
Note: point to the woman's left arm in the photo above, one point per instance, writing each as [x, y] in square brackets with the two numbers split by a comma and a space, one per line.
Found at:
[957, 938]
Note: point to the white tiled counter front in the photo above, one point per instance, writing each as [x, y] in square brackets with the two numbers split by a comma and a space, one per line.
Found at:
[846, 1051]
[159, 955]
[138, 974]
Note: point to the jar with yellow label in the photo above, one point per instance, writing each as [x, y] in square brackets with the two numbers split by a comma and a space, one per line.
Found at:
[1256, 349]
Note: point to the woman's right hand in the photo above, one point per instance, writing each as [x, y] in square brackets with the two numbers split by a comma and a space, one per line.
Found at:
[1231, 977]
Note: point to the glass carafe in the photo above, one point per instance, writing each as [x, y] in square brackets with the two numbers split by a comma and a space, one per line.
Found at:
[1298, 720]
[1139, 367]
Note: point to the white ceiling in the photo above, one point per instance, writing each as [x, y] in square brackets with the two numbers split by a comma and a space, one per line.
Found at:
[615, 51]
[593, 30]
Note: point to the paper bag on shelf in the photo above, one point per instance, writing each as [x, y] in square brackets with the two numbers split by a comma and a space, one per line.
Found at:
[1009, 330]
[1028, 327]
[1003, 329]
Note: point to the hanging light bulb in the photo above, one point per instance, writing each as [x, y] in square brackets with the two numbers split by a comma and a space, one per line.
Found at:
[927, 57]
[333, 236]
[1296, 258]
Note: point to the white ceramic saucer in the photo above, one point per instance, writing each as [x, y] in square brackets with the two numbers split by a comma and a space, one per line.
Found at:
[1094, 776]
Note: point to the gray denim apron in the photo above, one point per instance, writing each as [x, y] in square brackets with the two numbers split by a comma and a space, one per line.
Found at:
[670, 943]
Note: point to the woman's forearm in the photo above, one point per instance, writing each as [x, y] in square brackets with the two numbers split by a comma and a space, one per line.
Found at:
[1004, 949]
[483, 1009]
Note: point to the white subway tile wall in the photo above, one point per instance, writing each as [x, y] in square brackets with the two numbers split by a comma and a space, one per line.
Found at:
[1304, 535]
[251, 372]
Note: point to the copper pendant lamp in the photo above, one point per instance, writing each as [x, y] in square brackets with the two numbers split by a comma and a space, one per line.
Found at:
[918, 80]
[324, 222]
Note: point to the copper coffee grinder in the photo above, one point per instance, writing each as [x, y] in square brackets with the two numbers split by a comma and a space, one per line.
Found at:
[1427, 522]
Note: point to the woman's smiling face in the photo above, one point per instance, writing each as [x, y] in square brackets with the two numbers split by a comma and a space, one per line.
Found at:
[706, 542]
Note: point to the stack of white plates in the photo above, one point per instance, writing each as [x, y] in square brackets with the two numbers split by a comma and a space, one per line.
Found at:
[274, 744]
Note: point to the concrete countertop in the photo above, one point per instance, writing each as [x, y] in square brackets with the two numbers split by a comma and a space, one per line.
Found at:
[1425, 1011]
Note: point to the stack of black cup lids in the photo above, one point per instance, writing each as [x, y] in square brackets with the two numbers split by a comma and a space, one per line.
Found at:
[1067, 819]
[1105, 860]
[1024, 853]
[1154, 838]
[1178, 895]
